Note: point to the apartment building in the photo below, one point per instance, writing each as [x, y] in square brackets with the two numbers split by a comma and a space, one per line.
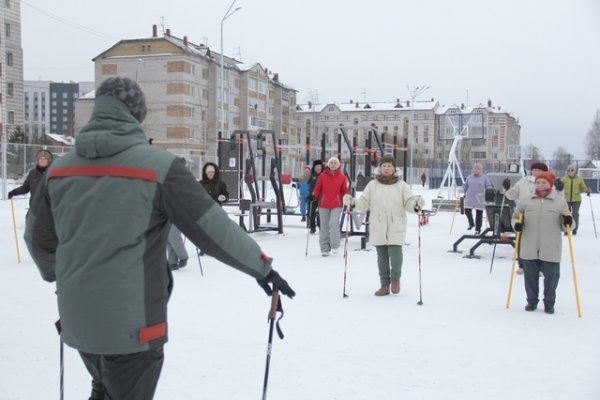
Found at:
[11, 66]
[426, 128]
[49, 107]
[181, 81]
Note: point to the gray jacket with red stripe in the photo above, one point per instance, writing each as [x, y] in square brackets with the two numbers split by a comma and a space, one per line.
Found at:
[98, 226]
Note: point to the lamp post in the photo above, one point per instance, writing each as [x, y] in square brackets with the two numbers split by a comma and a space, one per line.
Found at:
[414, 93]
[228, 14]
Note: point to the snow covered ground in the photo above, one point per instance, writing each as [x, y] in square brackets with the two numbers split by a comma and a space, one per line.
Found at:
[462, 343]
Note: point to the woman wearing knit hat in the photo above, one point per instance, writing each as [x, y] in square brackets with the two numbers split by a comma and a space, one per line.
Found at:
[34, 176]
[523, 189]
[573, 186]
[317, 168]
[388, 198]
[330, 189]
[545, 214]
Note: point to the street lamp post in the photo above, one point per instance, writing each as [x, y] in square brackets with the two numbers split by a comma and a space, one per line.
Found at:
[414, 93]
[228, 14]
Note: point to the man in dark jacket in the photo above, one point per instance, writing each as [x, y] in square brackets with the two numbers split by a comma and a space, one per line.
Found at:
[35, 176]
[98, 227]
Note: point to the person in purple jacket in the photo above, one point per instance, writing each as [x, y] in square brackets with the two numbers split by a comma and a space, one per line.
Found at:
[474, 190]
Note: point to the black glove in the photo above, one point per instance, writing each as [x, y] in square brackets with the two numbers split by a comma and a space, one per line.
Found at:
[278, 283]
[567, 220]
[294, 185]
[518, 227]
[506, 184]
[559, 185]
[490, 194]
[11, 194]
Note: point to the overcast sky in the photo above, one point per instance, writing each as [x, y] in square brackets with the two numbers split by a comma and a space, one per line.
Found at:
[536, 59]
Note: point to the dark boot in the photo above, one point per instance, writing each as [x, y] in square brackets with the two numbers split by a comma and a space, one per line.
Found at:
[182, 263]
[530, 307]
[97, 391]
[548, 309]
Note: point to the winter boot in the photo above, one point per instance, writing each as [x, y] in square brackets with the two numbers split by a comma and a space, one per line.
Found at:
[182, 263]
[384, 290]
[548, 309]
[97, 391]
[530, 307]
[395, 286]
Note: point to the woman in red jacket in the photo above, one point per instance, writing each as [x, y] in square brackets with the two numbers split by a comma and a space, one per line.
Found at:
[330, 190]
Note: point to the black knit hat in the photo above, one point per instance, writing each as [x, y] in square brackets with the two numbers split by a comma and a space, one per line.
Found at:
[128, 91]
[387, 159]
[317, 162]
[539, 165]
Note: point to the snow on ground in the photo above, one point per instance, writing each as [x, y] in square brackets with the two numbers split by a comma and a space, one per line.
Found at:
[462, 343]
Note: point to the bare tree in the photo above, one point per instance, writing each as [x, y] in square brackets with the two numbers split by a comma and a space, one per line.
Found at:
[561, 159]
[592, 139]
[532, 152]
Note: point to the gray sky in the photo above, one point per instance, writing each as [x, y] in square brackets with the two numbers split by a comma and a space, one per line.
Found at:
[538, 59]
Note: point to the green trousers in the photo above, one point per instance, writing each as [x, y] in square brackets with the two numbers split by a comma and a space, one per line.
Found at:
[389, 262]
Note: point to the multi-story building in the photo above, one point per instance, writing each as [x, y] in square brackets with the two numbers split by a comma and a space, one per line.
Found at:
[11, 66]
[489, 135]
[49, 107]
[181, 81]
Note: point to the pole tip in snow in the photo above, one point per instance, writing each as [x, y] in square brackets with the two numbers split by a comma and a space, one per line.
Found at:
[420, 303]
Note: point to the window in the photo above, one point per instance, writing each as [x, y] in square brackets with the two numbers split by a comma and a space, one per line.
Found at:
[7, 29]
[9, 89]
[7, 3]
[9, 59]
[11, 117]
[65, 95]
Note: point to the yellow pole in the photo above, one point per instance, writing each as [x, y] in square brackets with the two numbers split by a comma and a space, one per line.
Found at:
[12, 207]
[512, 269]
[573, 270]
[454, 214]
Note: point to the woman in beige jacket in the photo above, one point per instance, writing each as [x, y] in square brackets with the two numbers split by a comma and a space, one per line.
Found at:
[388, 198]
[545, 213]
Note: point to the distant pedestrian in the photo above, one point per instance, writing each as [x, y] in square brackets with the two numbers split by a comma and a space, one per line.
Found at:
[388, 198]
[212, 183]
[423, 179]
[474, 190]
[43, 159]
[573, 186]
[177, 255]
[545, 214]
[304, 191]
[313, 206]
[330, 189]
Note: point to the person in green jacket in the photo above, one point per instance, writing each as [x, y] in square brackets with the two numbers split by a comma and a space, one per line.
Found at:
[98, 227]
[573, 186]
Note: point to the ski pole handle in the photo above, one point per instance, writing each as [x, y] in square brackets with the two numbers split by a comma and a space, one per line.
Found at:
[274, 302]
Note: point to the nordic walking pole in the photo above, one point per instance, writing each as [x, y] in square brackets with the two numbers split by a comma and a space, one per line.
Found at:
[512, 270]
[454, 215]
[310, 206]
[346, 249]
[420, 302]
[62, 360]
[12, 207]
[272, 314]
[573, 270]
[593, 218]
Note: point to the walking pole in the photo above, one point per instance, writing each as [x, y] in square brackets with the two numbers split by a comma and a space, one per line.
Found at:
[275, 306]
[310, 205]
[593, 218]
[199, 262]
[420, 302]
[12, 207]
[573, 270]
[62, 360]
[454, 215]
[346, 249]
[512, 270]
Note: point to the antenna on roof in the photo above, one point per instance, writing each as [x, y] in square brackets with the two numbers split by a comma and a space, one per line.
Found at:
[239, 53]
[162, 24]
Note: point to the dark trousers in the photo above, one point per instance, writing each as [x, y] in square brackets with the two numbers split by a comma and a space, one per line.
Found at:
[574, 208]
[312, 214]
[478, 218]
[126, 376]
[551, 271]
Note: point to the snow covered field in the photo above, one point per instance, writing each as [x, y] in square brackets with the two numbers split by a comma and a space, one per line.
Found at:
[461, 344]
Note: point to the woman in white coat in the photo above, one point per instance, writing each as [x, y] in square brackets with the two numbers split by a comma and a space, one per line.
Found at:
[388, 198]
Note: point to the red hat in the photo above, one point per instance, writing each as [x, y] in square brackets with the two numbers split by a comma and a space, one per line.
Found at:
[548, 176]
